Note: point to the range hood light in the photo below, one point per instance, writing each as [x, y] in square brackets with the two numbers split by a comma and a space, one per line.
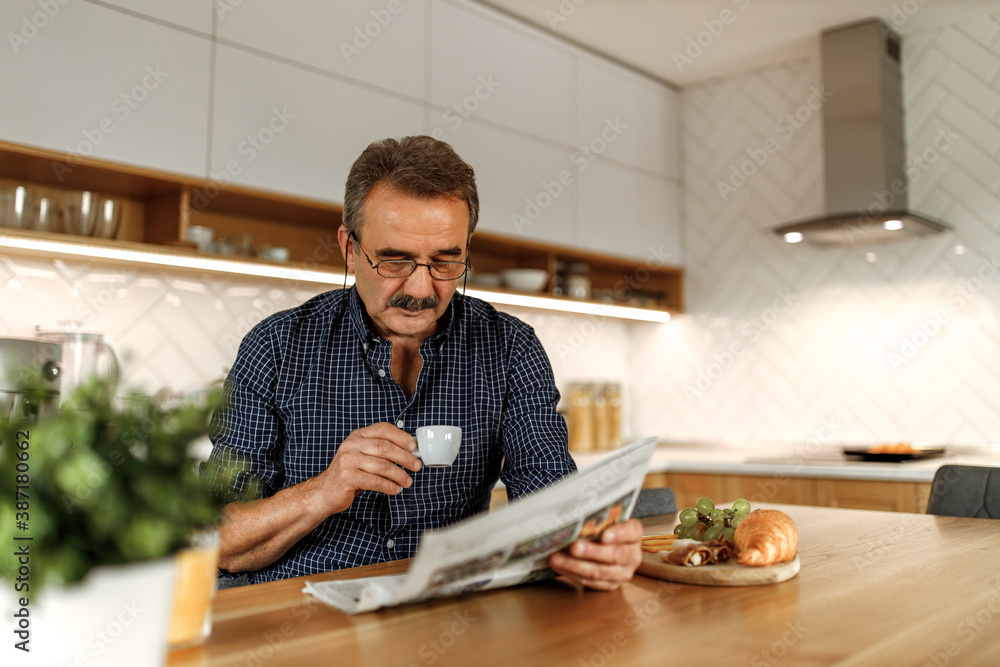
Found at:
[794, 237]
[892, 225]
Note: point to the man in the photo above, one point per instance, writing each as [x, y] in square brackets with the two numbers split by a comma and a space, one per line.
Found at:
[322, 399]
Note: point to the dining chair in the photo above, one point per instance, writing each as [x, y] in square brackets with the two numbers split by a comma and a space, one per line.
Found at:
[652, 502]
[965, 491]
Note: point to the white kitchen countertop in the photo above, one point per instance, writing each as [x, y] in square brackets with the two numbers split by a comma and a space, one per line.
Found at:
[824, 462]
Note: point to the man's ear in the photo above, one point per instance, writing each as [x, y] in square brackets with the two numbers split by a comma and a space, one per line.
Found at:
[344, 238]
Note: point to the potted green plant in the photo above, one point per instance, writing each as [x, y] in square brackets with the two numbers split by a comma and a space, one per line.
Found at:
[95, 499]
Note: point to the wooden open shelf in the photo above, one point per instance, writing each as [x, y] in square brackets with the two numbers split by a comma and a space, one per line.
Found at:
[158, 208]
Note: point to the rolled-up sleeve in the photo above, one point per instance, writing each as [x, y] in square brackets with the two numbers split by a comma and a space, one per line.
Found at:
[246, 431]
[533, 435]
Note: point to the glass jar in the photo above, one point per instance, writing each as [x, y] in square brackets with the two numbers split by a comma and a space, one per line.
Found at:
[581, 418]
[578, 281]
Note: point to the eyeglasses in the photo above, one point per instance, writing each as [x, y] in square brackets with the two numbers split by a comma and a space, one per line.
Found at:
[400, 268]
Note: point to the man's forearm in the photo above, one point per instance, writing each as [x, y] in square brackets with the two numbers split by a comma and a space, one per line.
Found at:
[257, 533]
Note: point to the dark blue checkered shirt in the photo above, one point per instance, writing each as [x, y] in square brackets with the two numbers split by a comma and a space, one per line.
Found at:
[305, 378]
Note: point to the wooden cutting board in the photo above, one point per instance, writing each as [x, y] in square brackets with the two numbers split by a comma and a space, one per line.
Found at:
[728, 573]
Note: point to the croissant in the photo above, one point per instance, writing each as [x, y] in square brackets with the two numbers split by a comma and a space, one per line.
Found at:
[765, 537]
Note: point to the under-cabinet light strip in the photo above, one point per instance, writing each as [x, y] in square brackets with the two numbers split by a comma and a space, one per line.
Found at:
[569, 306]
[175, 260]
[220, 265]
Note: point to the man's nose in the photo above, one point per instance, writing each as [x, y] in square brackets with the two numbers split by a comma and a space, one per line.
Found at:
[419, 283]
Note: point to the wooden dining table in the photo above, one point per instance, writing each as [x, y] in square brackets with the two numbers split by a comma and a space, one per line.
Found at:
[874, 588]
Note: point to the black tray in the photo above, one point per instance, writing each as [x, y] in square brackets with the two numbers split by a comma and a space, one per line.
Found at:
[865, 455]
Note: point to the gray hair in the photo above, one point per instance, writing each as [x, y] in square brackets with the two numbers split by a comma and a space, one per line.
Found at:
[420, 166]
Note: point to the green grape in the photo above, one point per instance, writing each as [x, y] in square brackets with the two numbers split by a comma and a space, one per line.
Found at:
[741, 507]
[717, 516]
[729, 533]
[729, 513]
[688, 517]
[686, 533]
[712, 533]
[735, 522]
[677, 529]
[705, 505]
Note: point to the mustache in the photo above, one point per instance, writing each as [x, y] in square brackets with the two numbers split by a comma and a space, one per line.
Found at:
[407, 302]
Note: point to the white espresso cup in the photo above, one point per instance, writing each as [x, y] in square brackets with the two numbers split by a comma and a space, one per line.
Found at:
[437, 446]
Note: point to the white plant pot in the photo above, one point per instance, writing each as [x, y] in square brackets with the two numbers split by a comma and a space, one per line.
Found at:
[116, 617]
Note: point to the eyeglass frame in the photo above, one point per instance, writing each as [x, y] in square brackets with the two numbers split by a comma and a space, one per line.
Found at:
[413, 262]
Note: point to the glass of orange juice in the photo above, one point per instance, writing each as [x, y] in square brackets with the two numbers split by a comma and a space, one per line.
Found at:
[197, 569]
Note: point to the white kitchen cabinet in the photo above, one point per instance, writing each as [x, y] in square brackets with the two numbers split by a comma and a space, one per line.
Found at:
[284, 128]
[627, 212]
[520, 192]
[94, 81]
[193, 14]
[626, 116]
[376, 42]
[485, 66]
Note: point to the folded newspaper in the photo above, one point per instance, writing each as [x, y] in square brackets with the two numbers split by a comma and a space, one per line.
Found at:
[508, 546]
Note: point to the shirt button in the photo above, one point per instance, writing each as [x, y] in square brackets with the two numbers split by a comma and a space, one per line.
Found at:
[399, 424]
[390, 543]
[381, 372]
[364, 345]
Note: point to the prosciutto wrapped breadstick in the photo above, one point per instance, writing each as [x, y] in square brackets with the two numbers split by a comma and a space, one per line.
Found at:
[765, 537]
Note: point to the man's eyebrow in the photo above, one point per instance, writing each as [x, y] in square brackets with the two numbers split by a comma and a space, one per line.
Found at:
[454, 251]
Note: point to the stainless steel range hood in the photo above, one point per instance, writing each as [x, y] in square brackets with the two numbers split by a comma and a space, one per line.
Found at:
[863, 144]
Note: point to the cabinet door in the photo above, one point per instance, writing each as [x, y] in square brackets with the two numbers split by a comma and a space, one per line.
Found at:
[627, 212]
[870, 495]
[488, 67]
[377, 42]
[628, 117]
[283, 128]
[97, 82]
[520, 192]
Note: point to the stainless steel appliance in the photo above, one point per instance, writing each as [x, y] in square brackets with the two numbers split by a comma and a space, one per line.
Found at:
[19, 356]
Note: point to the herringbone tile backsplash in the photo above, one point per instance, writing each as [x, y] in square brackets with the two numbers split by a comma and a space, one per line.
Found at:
[791, 343]
[780, 343]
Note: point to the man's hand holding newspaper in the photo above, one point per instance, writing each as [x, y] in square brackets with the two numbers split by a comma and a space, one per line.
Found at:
[603, 565]
[577, 527]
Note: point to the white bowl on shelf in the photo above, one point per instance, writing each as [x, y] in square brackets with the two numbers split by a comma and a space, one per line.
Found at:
[525, 280]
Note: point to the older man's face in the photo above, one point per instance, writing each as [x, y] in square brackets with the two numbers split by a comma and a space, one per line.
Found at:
[400, 226]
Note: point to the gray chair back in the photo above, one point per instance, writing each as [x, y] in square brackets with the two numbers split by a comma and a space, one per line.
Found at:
[966, 491]
[652, 502]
